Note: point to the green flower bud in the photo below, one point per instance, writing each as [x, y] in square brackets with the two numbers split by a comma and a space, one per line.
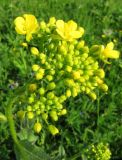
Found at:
[30, 100]
[51, 86]
[35, 67]
[42, 56]
[63, 112]
[68, 68]
[93, 95]
[49, 77]
[104, 87]
[68, 93]
[32, 87]
[81, 79]
[63, 50]
[87, 90]
[29, 108]
[53, 115]
[62, 98]
[36, 106]
[43, 25]
[101, 73]
[80, 44]
[76, 75]
[52, 21]
[71, 47]
[49, 102]
[53, 130]
[40, 74]
[37, 127]
[74, 92]
[52, 71]
[38, 112]
[69, 82]
[30, 115]
[34, 51]
[50, 95]
[21, 114]
[45, 116]
[42, 91]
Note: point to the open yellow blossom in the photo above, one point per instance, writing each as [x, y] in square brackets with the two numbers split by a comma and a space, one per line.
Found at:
[108, 51]
[68, 31]
[26, 25]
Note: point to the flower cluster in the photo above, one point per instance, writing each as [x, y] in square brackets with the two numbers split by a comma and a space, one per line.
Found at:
[99, 152]
[63, 67]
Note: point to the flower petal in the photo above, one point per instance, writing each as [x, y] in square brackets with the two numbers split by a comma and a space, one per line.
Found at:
[110, 45]
[72, 25]
[20, 25]
[31, 23]
[60, 25]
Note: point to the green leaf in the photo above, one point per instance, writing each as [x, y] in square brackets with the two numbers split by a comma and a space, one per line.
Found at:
[28, 151]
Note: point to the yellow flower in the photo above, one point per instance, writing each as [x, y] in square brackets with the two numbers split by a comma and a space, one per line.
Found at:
[108, 51]
[68, 31]
[26, 25]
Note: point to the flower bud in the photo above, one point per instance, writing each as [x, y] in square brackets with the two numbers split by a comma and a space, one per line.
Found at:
[37, 127]
[80, 44]
[53, 130]
[52, 21]
[68, 93]
[32, 87]
[30, 99]
[101, 73]
[49, 77]
[30, 115]
[34, 51]
[53, 115]
[21, 114]
[93, 95]
[76, 75]
[42, 25]
[104, 87]
[51, 86]
[35, 67]
[50, 95]
[63, 112]
[29, 108]
[24, 44]
[68, 68]
[45, 116]
[41, 91]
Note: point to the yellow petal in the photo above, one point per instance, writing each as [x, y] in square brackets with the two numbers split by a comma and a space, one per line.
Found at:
[20, 25]
[72, 25]
[110, 45]
[60, 25]
[111, 53]
[31, 23]
[114, 54]
[76, 34]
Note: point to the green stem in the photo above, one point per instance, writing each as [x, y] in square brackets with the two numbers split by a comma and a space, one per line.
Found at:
[11, 122]
[12, 127]
[98, 110]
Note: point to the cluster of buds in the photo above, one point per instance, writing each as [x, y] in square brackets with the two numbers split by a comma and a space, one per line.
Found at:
[63, 67]
[99, 152]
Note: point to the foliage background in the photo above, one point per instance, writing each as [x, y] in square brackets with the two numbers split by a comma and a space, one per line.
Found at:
[87, 121]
